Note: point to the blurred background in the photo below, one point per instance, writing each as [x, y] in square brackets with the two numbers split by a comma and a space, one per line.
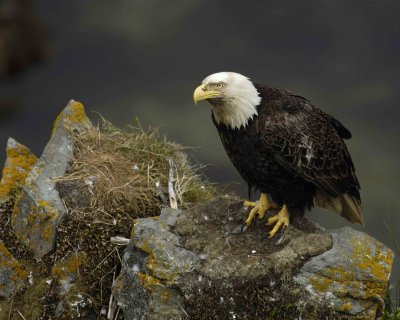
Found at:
[143, 58]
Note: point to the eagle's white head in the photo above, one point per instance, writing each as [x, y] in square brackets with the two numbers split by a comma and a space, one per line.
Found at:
[232, 96]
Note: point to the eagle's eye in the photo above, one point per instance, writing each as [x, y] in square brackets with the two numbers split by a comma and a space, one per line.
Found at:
[220, 85]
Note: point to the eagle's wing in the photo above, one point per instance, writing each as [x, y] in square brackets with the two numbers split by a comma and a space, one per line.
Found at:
[309, 143]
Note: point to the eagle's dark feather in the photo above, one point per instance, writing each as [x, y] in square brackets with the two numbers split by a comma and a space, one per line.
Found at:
[295, 152]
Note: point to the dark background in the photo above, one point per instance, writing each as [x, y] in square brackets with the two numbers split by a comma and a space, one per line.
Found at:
[143, 58]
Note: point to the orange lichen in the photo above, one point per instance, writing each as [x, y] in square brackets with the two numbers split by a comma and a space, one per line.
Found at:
[147, 281]
[159, 268]
[40, 224]
[346, 282]
[345, 307]
[73, 115]
[69, 266]
[7, 261]
[18, 165]
[48, 231]
[165, 295]
[31, 218]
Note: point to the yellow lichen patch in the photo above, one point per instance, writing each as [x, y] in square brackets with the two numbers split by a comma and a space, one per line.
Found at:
[367, 278]
[345, 307]
[377, 263]
[7, 261]
[160, 268]
[147, 281]
[43, 210]
[144, 247]
[19, 163]
[154, 285]
[69, 266]
[36, 225]
[48, 232]
[75, 114]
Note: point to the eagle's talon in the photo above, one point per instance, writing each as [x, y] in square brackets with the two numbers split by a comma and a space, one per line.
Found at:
[248, 203]
[260, 208]
[280, 220]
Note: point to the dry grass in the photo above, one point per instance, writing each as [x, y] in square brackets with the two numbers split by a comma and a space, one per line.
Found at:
[122, 167]
[111, 182]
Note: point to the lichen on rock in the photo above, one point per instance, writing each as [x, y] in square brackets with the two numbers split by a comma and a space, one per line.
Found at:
[194, 263]
[13, 276]
[353, 275]
[39, 209]
[19, 163]
[212, 271]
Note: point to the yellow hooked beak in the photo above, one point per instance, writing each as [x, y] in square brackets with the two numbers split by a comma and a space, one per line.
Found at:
[201, 93]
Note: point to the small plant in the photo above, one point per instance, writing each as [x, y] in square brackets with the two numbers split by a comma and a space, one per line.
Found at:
[392, 305]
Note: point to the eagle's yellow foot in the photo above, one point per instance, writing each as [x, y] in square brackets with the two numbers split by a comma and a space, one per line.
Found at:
[260, 207]
[282, 218]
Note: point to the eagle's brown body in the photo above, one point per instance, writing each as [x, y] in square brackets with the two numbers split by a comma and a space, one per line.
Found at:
[294, 152]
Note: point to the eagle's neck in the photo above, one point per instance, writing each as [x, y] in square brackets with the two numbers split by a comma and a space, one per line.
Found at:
[238, 107]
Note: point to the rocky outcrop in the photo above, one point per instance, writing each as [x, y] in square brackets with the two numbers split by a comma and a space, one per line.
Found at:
[19, 163]
[39, 209]
[198, 264]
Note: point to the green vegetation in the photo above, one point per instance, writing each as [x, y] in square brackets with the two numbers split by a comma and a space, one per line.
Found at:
[392, 308]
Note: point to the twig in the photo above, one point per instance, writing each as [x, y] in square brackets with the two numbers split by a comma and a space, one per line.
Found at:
[112, 251]
[119, 241]
[116, 314]
[110, 313]
[171, 190]
[22, 316]
[112, 303]
[184, 311]
[101, 283]
[160, 194]
[9, 312]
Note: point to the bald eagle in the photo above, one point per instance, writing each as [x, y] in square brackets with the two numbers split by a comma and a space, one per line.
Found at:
[283, 146]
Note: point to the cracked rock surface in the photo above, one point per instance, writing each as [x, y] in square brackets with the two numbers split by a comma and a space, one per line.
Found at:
[39, 209]
[196, 264]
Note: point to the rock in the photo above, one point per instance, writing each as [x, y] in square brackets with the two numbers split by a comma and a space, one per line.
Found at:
[73, 303]
[19, 163]
[12, 275]
[353, 275]
[164, 259]
[39, 209]
[194, 264]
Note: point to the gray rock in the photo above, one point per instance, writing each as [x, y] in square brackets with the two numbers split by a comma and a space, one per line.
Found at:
[192, 264]
[353, 275]
[39, 210]
[12, 275]
[19, 163]
[144, 288]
